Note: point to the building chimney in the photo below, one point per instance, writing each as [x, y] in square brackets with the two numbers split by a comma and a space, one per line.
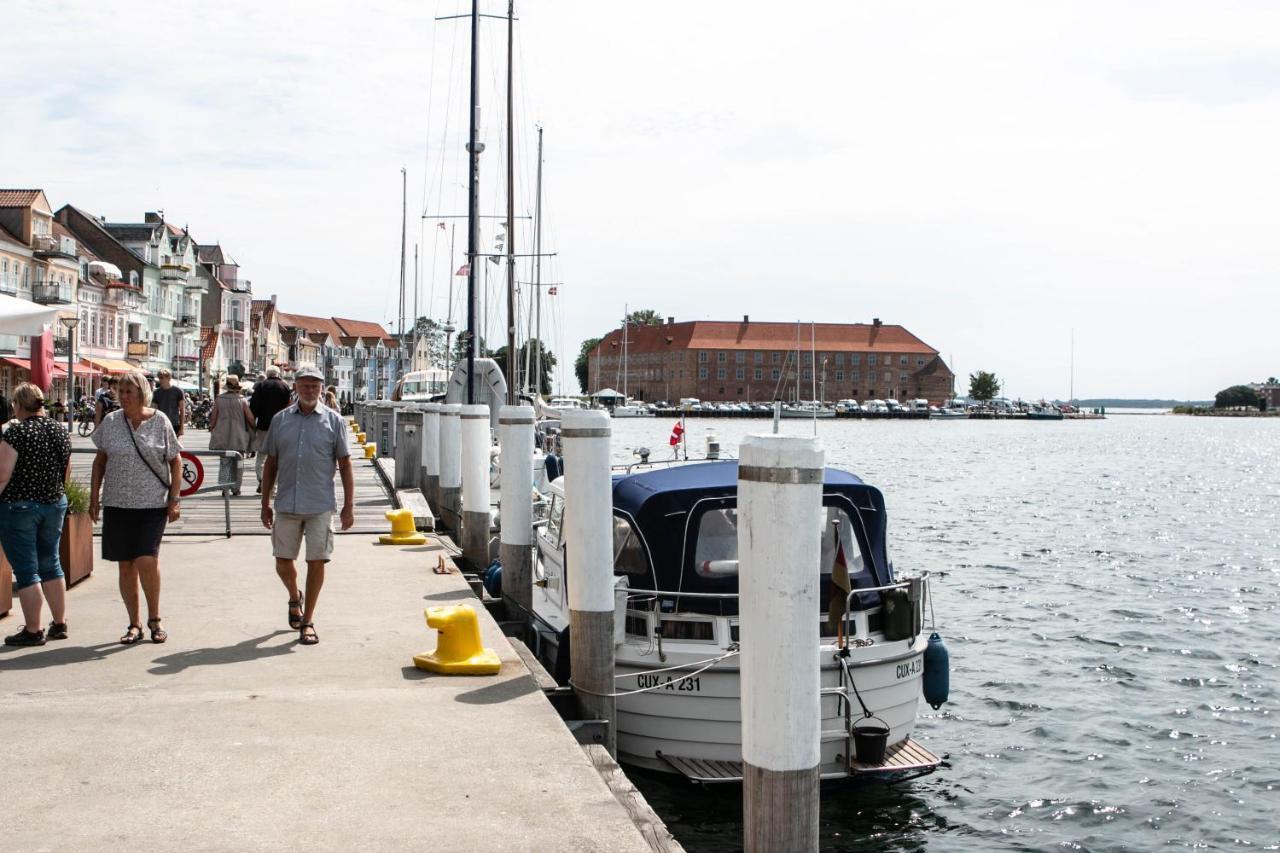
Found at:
[875, 321]
[671, 321]
[746, 318]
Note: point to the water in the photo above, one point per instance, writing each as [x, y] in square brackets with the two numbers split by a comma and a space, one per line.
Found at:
[1110, 594]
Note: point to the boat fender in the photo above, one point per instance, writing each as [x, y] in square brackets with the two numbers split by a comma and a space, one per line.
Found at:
[554, 469]
[937, 672]
[493, 580]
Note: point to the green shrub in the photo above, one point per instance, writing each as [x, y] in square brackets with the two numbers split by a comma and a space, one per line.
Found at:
[77, 497]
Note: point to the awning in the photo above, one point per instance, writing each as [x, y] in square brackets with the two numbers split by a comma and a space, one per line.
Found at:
[21, 317]
[111, 365]
[25, 364]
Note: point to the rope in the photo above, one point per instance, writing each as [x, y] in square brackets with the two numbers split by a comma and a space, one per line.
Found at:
[715, 660]
[618, 693]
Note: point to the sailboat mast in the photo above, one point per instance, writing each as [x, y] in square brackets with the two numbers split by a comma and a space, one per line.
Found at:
[413, 328]
[512, 359]
[537, 273]
[473, 204]
[404, 212]
[1071, 398]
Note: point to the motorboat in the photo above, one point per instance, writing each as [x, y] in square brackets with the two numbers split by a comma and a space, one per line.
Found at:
[1044, 412]
[807, 409]
[953, 410]
[632, 409]
[677, 632]
[558, 406]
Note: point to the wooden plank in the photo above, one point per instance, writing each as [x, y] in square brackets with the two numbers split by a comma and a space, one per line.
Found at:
[540, 675]
[414, 500]
[704, 770]
[906, 755]
[655, 832]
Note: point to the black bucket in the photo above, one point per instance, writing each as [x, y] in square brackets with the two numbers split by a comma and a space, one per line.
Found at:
[870, 736]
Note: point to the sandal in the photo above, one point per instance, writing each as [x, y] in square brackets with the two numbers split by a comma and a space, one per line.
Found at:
[295, 620]
[158, 634]
[307, 635]
[132, 634]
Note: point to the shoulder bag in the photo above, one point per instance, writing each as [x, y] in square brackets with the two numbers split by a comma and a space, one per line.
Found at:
[138, 450]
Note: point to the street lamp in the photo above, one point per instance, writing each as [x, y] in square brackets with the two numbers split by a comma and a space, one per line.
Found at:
[71, 323]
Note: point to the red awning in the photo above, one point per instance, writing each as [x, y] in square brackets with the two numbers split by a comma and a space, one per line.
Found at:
[25, 364]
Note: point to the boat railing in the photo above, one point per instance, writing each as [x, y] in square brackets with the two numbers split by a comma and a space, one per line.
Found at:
[922, 580]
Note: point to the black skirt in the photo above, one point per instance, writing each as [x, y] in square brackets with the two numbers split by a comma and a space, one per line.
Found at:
[131, 533]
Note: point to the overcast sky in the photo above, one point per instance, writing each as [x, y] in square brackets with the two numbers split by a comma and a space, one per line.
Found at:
[991, 175]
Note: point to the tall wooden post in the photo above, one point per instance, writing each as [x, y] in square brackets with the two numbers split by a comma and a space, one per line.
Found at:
[588, 531]
[779, 551]
[516, 538]
[451, 466]
[476, 520]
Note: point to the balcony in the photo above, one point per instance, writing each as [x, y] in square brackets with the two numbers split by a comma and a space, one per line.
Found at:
[51, 293]
[185, 321]
[175, 273]
[358, 380]
[9, 285]
[361, 362]
[46, 246]
[235, 325]
[240, 286]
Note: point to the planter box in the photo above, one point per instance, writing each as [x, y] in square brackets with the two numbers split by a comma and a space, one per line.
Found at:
[75, 551]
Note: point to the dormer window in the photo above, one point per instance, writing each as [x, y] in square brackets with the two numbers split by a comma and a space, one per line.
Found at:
[133, 278]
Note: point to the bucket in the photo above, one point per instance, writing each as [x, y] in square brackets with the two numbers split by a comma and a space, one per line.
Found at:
[870, 736]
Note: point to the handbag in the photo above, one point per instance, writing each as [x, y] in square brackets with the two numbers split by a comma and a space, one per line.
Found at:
[138, 450]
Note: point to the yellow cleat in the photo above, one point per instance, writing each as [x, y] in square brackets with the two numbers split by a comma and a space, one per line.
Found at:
[402, 529]
[459, 651]
[370, 450]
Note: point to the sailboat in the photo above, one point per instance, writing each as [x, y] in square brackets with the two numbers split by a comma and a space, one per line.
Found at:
[628, 409]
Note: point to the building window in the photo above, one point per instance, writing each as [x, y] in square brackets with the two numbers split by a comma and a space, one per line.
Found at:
[721, 357]
[741, 374]
[855, 375]
[902, 377]
[759, 358]
[919, 361]
[839, 359]
[702, 357]
[759, 373]
[777, 374]
[888, 377]
[855, 359]
[902, 361]
[702, 373]
[740, 357]
[839, 375]
[871, 360]
[808, 374]
[720, 372]
[775, 359]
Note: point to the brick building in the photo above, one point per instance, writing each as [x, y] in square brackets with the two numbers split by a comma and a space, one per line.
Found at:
[758, 362]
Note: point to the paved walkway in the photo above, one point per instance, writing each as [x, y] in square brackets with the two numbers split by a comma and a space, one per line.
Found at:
[233, 737]
[205, 514]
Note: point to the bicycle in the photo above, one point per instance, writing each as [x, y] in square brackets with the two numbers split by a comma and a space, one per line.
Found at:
[84, 421]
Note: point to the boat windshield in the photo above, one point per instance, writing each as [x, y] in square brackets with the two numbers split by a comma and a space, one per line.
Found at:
[716, 548]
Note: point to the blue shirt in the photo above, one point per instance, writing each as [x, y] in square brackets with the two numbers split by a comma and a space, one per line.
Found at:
[307, 449]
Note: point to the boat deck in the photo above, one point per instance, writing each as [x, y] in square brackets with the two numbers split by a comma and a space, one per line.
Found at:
[908, 756]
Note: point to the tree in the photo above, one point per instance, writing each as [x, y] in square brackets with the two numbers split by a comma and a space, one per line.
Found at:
[1236, 395]
[983, 385]
[460, 348]
[644, 317]
[547, 358]
[580, 364]
[433, 333]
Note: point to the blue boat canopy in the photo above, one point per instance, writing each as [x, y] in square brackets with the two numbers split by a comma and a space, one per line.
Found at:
[666, 506]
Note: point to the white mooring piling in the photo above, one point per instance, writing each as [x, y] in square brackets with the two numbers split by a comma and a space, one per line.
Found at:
[588, 533]
[431, 455]
[451, 466]
[515, 437]
[779, 548]
[475, 485]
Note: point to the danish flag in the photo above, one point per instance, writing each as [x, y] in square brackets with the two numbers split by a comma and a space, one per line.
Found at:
[676, 432]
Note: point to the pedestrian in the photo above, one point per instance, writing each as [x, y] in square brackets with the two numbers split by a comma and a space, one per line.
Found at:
[230, 428]
[304, 443]
[139, 474]
[34, 465]
[170, 401]
[107, 401]
[270, 397]
[331, 397]
[5, 411]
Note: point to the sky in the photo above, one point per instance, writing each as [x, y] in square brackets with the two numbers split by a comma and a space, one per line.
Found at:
[1001, 178]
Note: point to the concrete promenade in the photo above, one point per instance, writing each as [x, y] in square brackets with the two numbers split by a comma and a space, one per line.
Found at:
[232, 736]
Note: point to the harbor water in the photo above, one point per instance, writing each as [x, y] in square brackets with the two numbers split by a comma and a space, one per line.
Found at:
[1110, 593]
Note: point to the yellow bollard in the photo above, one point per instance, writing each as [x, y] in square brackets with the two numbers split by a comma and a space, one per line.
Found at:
[370, 450]
[360, 438]
[402, 530]
[458, 651]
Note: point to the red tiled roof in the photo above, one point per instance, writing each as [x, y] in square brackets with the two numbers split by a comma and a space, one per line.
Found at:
[711, 334]
[18, 198]
[209, 342]
[308, 324]
[361, 328]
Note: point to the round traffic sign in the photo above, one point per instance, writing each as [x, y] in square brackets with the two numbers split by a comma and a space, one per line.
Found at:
[192, 473]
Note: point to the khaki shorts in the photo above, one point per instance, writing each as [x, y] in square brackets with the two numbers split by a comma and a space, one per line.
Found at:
[289, 530]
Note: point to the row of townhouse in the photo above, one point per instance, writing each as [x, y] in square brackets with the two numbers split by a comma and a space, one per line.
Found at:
[146, 295]
[360, 359]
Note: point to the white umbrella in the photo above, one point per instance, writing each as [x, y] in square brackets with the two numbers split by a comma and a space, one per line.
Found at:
[20, 317]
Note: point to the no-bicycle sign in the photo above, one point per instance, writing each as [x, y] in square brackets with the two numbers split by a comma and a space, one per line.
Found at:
[192, 473]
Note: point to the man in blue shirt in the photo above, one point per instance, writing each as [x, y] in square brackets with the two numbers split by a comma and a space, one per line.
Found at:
[306, 441]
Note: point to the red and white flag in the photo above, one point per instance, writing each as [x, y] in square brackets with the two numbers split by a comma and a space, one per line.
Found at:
[465, 269]
[677, 432]
[551, 291]
[440, 225]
